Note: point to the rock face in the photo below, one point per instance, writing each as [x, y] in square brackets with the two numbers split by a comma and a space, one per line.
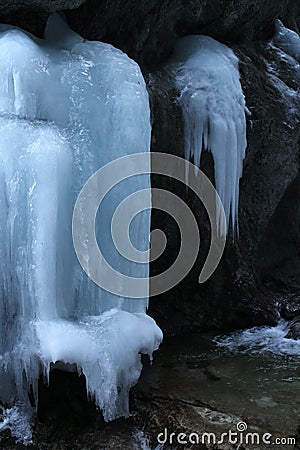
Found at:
[180, 394]
[291, 307]
[260, 268]
[32, 14]
[10, 6]
[147, 30]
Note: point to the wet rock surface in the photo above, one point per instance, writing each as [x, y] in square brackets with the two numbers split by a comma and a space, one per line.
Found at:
[179, 393]
[294, 330]
[290, 309]
[259, 271]
[121, 435]
[193, 386]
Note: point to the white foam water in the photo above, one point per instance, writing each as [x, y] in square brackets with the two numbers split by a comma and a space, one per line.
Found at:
[261, 340]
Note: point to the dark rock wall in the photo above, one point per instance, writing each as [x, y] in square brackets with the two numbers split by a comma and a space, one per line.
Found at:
[261, 267]
[32, 14]
[147, 30]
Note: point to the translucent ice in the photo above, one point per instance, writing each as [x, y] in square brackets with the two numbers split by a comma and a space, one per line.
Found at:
[207, 76]
[67, 107]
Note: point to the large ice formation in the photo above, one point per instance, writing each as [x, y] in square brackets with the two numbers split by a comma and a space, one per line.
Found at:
[67, 107]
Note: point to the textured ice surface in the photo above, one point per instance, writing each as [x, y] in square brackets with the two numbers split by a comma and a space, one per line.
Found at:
[106, 347]
[207, 77]
[67, 107]
[287, 40]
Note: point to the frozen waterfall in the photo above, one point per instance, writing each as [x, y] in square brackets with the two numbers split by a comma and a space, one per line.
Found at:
[207, 76]
[67, 107]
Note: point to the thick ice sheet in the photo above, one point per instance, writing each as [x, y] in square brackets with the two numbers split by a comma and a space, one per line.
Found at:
[67, 107]
[207, 76]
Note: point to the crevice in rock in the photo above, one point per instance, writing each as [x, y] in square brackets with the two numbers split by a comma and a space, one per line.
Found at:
[64, 400]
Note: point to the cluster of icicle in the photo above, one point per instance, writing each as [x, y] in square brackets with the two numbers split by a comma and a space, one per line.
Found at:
[207, 77]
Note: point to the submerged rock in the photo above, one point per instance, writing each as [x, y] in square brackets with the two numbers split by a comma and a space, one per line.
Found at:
[294, 330]
[290, 307]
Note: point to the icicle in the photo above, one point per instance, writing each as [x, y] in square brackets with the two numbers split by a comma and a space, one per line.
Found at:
[207, 76]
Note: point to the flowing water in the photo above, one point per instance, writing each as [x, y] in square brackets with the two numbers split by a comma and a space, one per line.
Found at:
[251, 376]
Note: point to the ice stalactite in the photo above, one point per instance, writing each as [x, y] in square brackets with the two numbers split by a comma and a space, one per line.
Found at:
[207, 77]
